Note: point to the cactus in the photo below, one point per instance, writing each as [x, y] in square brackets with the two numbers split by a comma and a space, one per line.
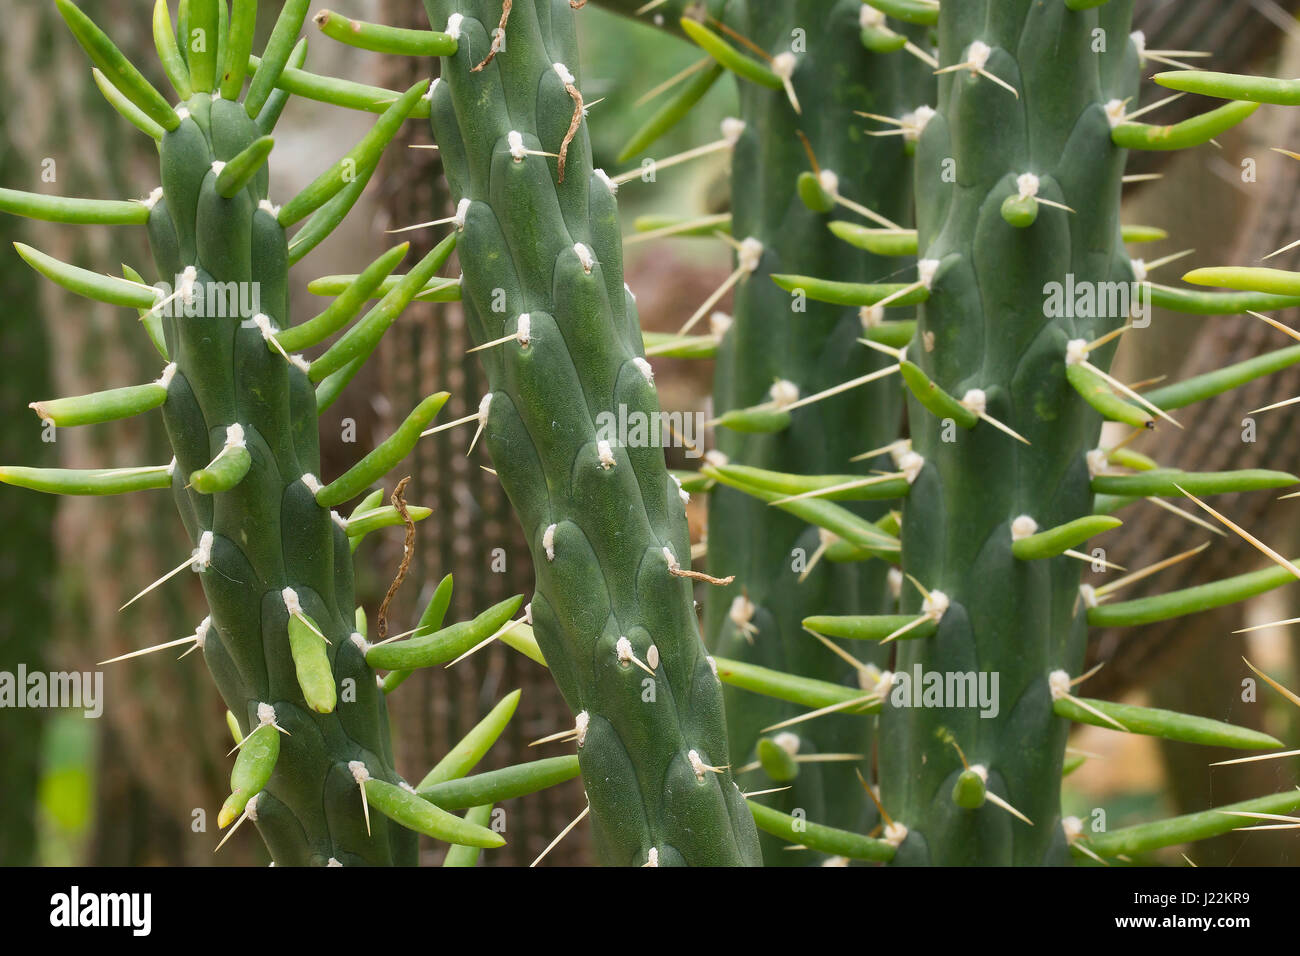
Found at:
[605, 523]
[993, 514]
[984, 507]
[283, 641]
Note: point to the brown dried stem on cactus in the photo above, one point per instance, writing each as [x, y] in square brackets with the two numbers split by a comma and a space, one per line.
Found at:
[408, 548]
[498, 37]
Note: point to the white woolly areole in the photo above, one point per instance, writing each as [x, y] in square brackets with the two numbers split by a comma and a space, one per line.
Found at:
[980, 771]
[462, 210]
[548, 542]
[975, 400]
[1072, 827]
[749, 254]
[528, 613]
[202, 558]
[217, 167]
[899, 448]
[719, 324]
[1139, 269]
[787, 741]
[332, 861]
[884, 682]
[265, 714]
[1027, 184]
[894, 578]
[606, 454]
[1023, 527]
[564, 74]
[623, 650]
[977, 55]
[670, 559]
[1089, 595]
[484, 405]
[741, 611]
[262, 322]
[361, 643]
[732, 129]
[291, 602]
[783, 64]
[168, 372]
[339, 520]
[428, 94]
[910, 464]
[926, 270]
[235, 436]
[604, 178]
[829, 182]
[515, 141]
[171, 466]
[713, 665]
[869, 18]
[250, 808]
[407, 787]
[697, 765]
[652, 857]
[267, 206]
[645, 369]
[1059, 684]
[453, 26]
[784, 393]
[935, 605]
[524, 328]
[652, 657]
[189, 276]
[312, 482]
[1139, 40]
[895, 833]
[871, 315]
[359, 772]
[1114, 112]
[182, 113]
[827, 538]
[584, 256]
[201, 632]
[915, 122]
[1098, 461]
[681, 492]
[838, 860]
[152, 199]
[1076, 351]
[580, 725]
[716, 458]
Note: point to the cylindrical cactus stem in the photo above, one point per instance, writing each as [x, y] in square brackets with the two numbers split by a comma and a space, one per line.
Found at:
[543, 279]
[779, 335]
[1006, 622]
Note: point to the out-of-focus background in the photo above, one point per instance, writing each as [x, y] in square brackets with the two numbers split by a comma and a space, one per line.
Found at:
[140, 784]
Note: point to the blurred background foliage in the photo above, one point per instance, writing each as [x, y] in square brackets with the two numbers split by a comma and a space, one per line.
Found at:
[137, 785]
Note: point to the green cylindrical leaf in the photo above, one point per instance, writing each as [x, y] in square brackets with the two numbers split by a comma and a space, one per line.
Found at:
[405, 808]
[384, 39]
[1166, 482]
[92, 285]
[1165, 723]
[815, 836]
[462, 758]
[446, 644]
[1053, 541]
[311, 664]
[97, 481]
[378, 463]
[504, 784]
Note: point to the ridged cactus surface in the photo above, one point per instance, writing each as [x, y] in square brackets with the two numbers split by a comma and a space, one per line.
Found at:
[541, 251]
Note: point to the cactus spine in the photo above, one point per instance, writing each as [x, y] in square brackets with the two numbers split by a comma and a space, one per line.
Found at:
[542, 258]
